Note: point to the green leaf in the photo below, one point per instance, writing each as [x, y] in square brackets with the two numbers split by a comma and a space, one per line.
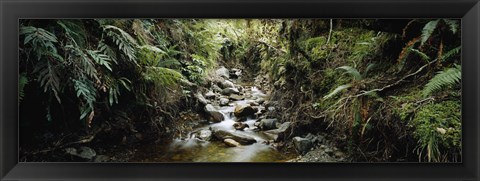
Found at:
[428, 30]
[337, 90]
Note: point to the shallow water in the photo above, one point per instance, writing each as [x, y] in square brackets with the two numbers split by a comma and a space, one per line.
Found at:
[195, 150]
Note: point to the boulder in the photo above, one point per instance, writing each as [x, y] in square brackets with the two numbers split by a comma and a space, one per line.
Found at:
[216, 88]
[231, 142]
[228, 91]
[204, 134]
[268, 124]
[215, 115]
[210, 95]
[282, 132]
[201, 99]
[226, 84]
[240, 126]
[244, 110]
[240, 138]
[302, 145]
[224, 101]
[223, 72]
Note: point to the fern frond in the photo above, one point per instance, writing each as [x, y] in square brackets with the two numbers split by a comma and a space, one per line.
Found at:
[100, 58]
[451, 53]
[123, 40]
[86, 64]
[422, 55]
[450, 76]
[48, 78]
[337, 90]
[352, 71]
[22, 81]
[428, 30]
[107, 50]
[41, 41]
[452, 24]
[75, 31]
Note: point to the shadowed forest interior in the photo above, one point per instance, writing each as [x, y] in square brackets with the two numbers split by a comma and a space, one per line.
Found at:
[240, 90]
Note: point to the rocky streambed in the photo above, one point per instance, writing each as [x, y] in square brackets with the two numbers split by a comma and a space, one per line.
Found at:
[237, 129]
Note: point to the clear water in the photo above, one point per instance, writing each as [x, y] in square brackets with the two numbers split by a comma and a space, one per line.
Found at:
[195, 150]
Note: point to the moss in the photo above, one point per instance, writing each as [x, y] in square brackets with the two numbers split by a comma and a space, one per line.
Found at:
[438, 127]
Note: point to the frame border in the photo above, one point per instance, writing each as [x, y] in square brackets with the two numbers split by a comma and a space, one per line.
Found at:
[11, 11]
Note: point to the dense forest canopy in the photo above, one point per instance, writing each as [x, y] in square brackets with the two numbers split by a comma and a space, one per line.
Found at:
[378, 90]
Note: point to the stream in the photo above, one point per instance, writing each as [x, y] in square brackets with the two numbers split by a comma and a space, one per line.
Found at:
[203, 145]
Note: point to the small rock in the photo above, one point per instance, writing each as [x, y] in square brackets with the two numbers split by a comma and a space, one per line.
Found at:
[201, 99]
[236, 97]
[268, 124]
[86, 152]
[210, 95]
[226, 84]
[228, 91]
[441, 130]
[204, 134]
[240, 126]
[302, 145]
[244, 110]
[231, 142]
[241, 138]
[224, 101]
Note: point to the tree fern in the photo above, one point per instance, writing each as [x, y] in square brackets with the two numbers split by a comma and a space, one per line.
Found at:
[450, 76]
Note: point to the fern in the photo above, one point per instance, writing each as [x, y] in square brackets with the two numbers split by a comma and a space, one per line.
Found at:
[86, 65]
[450, 76]
[22, 81]
[451, 53]
[422, 55]
[337, 90]
[452, 24]
[75, 31]
[115, 87]
[123, 40]
[162, 76]
[100, 58]
[352, 71]
[41, 41]
[84, 90]
[107, 50]
[428, 30]
[48, 78]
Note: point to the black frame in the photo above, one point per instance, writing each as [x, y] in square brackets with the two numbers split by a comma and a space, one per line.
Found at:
[467, 10]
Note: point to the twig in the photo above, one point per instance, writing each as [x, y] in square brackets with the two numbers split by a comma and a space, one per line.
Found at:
[330, 32]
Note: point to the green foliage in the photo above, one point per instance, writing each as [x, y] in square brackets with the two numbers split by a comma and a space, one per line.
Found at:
[352, 71]
[41, 41]
[48, 77]
[438, 130]
[447, 77]
[22, 81]
[126, 43]
[337, 90]
[428, 30]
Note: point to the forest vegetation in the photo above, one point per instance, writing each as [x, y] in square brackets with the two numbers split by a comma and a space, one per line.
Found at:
[375, 90]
